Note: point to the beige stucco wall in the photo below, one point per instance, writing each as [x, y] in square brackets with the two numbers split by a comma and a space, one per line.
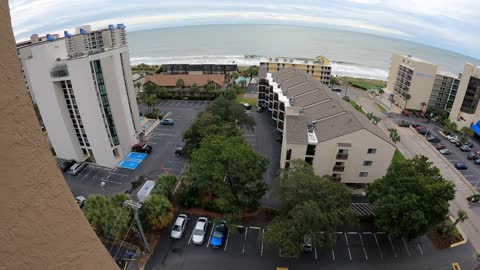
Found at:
[361, 140]
[41, 226]
[421, 84]
[455, 114]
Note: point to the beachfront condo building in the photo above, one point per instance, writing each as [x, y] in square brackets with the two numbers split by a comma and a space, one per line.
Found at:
[324, 130]
[427, 87]
[466, 111]
[319, 68]
[175, 69]
[84, 91]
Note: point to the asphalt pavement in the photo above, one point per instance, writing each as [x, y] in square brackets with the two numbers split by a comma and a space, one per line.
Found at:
[164, 140]
[246, 249]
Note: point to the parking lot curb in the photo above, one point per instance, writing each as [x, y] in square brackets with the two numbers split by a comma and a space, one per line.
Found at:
[472, 188]
[465, 239]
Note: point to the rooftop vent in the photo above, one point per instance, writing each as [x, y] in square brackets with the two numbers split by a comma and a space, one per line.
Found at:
[66, 34]
[111, 27]
[83, 31]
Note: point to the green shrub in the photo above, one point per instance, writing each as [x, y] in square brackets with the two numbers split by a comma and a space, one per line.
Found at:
[188, 198]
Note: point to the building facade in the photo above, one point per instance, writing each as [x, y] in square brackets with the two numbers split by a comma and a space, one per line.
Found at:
[226, 69]
[319, 68]
[466, 111]
[194, 85]
[427, 87]
[86, 98]
[323, 130]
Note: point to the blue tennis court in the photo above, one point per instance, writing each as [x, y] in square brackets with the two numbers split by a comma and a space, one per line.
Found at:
[132, 160]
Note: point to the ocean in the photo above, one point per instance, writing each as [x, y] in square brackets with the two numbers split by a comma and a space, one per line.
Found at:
[352, 53]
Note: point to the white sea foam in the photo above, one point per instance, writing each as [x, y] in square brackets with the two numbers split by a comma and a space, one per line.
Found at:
[340, 68]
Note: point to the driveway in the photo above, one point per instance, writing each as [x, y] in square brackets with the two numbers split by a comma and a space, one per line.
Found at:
[264, 140]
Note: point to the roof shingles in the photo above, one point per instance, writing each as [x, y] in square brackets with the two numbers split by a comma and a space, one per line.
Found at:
[333, 116]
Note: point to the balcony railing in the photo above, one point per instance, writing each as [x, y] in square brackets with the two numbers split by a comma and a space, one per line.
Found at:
[342, 156]
[338, 168]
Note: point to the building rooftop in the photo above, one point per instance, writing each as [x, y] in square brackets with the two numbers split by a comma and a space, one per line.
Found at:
[332, 116]
[447, 74]
[170, 80]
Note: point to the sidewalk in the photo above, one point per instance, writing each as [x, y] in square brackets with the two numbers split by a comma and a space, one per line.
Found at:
[412, 144]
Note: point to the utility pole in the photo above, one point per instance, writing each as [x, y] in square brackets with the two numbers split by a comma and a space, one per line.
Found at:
[135, 206]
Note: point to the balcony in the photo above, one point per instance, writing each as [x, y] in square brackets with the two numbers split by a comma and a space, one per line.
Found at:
[342, 156]
[338, 168]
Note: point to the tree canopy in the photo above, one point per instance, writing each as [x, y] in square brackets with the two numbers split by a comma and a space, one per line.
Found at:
[108, 217]
[314, 204]
[229, 168]
[411, 198]
[156, 212]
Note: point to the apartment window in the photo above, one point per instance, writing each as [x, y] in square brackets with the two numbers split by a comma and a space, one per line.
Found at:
[342, 154]
[367, 163]
[289, 154]
[287, 164]
[371, 150]
[337, 177]
[309, 160]
[311, 149]
[363, 174]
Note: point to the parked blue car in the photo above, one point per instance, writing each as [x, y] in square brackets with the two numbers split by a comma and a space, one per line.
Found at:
[460, 166]
[220, 232]
[477, 161]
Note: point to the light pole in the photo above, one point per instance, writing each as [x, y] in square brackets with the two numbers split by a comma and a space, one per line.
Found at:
[429, 124]
[102, 185]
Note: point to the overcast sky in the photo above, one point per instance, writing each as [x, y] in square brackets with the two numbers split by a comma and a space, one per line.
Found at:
[448, 24]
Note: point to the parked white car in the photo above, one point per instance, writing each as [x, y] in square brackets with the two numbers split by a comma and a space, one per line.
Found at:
[200, 231]
[450, 137]
[179, 226]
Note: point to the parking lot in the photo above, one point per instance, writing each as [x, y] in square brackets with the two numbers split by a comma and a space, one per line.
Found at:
[472, 174]
[163, 139]
[246, 249]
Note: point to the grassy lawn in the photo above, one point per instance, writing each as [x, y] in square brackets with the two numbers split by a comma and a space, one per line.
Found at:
[397, 156]
[357, 107]
[251, 101]
[364, 84]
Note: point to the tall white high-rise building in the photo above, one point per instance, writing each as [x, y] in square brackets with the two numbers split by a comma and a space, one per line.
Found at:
[83, 87]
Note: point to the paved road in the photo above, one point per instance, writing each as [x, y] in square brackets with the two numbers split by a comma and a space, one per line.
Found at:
[164, 139]
[353, 250]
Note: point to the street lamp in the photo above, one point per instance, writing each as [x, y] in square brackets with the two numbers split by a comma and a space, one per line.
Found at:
[429, 124]
[102, 185]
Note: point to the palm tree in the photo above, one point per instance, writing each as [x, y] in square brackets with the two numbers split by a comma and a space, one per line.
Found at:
[157, 212]
[376, 119]
[180, 83]
[423, 104]
[407, 97]
[462, 216]
[194, 88]
[450, 126]
[381, 92]
[370, 116]
[394, 135]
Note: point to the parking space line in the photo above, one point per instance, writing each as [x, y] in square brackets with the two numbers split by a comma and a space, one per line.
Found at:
[210, 237]
[315, 247]
[408, 251]
[364, 251]
[245, 240]
[113, 182]
[348, 246]
[126, 175]
[469, 175]
[256, 228]
[263, 234]
[226, 242]
[378, 245]
[93, 169]
[391, 243]
[419, 247]
[191, 235]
